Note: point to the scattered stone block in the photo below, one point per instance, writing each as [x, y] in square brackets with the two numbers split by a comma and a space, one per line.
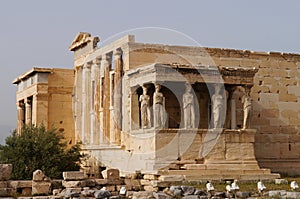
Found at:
[77, 190]
[90, 183]
[26, 191]
[115, 197]
[3, 184]
[150, 177]
[150, 188]
[142, 194]
[110, 188]
[281, 181]
[4, 192]
[161, 195]
[188, 190]
[176, 191]
[205, 197]
[134, 184]
[73, 175]
[157, 183]
[111, 174]
[38, 175]
[73, 184]
[69, 193]
[20, 184]
[242, 194]
[293, 194]
[102, 194]
[5, 171]
[200, 192]
[40, 188]
[145, 182]
[55, 192]
[56, 184]
[191, 197]
[171, 178]
[88, 193]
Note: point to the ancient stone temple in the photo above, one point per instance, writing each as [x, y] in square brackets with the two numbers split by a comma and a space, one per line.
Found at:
[188, 112]
[44, 96]
[178, 110]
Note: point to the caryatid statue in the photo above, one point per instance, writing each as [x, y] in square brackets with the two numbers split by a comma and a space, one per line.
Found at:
[158, 106]
[247, 106]
[188, 107]
[145, 108]
[218, 103]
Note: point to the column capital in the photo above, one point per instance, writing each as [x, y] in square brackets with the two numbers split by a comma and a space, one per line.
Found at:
[27, 101]
[106, 57]
[97, 61]
[88, 65]
[20, 104]
[118, 53]
[247, 89]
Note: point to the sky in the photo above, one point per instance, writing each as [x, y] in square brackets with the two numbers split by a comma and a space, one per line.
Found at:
[36, 33]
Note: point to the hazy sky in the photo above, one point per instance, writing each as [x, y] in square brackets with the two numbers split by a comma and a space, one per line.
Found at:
[38, 33]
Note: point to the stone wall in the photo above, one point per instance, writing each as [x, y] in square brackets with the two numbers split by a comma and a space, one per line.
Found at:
[276, 105]
[60, 89]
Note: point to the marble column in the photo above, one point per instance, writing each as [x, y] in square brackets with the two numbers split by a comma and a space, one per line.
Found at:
[118, 70]
[86, 78]
[95, 77]
[28, 112]
[21, 116]
[106, 66]
[77, 104]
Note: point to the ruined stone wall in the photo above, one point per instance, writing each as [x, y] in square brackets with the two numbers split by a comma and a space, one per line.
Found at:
[60, 116]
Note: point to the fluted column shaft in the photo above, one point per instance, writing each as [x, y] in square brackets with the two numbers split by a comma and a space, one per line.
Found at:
[21, 114]
[118, 70]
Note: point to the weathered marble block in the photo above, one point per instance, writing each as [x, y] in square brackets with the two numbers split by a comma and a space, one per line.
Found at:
[5, 171]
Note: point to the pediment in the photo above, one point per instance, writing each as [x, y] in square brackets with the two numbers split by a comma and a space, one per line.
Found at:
[81, 39]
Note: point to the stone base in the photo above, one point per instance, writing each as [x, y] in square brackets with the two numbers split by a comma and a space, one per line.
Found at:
[226, 154]
[190, 153]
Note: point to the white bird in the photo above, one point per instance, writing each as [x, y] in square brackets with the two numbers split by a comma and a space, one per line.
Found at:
[261, 187]
[294, 185]
[235, 186]
[209, 187]
[228, 188]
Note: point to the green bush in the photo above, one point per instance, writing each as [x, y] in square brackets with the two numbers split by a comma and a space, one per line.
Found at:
[37, 148]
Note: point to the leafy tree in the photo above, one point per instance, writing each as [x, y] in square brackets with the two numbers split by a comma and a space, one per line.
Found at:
[37, 148]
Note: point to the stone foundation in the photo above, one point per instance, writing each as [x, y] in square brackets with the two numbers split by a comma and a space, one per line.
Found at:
[188, 155]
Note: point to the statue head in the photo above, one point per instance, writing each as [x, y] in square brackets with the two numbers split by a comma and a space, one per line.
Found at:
[188, 87]
[145, 89]
[157, 87]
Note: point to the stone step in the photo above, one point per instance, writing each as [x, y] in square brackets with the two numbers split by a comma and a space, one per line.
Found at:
[215, 172]
[216, 177]
[235, 166]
